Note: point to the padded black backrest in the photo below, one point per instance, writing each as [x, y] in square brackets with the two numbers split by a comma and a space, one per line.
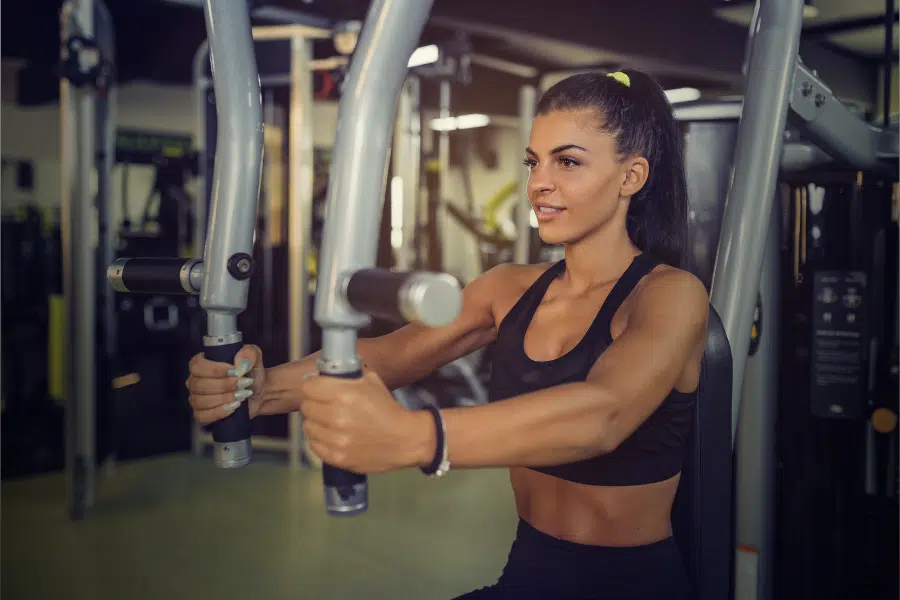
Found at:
[702, 514]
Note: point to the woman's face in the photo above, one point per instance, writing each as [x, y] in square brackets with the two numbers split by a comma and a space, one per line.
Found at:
[577, 184]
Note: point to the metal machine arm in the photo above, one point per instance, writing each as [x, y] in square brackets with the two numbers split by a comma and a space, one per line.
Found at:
[222, 278]
[349, 288]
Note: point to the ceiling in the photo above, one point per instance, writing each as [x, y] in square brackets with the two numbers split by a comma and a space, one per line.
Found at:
[682, 43]
[856, 26]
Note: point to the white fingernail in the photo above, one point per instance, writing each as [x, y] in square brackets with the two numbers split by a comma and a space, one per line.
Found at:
[242, 368]
[243, 394]
[232, 406]
[244, 382]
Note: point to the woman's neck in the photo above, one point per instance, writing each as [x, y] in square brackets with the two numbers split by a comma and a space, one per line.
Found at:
[599, 258]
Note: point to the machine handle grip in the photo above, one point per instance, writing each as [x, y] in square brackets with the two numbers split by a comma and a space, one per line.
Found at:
[430, 299]
[236, 426]
[156, 275]
[346, 492]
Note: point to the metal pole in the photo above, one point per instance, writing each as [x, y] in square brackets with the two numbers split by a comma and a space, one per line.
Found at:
[77, 154]
[399, 163]
[405, 182]
[443, 145]
[355, 194]
[300, 207]
[522, 248]
[201, 91]
[750, 196]
[229, 242]
[105, 106]
[412, 193]
[106, 154]
[754, 554]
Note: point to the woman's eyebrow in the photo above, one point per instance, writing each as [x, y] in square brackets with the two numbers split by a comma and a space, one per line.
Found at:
[558, 149]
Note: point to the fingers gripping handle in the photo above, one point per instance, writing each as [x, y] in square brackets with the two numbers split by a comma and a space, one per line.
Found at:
[231, 435]
[346, 492]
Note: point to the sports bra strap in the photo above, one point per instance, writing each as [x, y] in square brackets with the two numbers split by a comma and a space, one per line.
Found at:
[524, 309]
[531, 299]
[641, 265]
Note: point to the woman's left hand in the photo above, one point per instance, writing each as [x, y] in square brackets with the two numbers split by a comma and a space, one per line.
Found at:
[357, 425]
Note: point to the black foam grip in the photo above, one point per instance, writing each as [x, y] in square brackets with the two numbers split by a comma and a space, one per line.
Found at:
[236, 426]
[375, 292]
[339, 478]
[154, 275]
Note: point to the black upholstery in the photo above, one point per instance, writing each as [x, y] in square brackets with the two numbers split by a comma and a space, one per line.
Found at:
[702, 514]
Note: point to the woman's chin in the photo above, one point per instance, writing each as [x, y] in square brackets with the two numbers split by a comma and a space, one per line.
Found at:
[552, 236]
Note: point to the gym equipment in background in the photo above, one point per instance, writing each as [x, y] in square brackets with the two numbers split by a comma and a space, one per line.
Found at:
[87, 107]
[836, 418]
[156, 333]
[33, 418]
[414, 232]
[166, 226]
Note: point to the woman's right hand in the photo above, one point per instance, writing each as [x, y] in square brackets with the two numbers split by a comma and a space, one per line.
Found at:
[217, 389]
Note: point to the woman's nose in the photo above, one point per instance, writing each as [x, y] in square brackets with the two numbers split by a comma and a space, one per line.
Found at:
[539, 183]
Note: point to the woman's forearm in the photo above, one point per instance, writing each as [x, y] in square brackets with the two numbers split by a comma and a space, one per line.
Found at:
[558, 425]
[283, 381]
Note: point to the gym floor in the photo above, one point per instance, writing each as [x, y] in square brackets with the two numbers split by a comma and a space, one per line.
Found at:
[176, 528]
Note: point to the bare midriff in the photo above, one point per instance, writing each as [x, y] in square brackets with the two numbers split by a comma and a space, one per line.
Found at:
[595, 515]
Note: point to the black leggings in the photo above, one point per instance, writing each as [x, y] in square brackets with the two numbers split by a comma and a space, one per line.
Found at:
[542, 566]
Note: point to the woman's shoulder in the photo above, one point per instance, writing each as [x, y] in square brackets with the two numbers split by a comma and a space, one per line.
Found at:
[673, 288]
[502, 285]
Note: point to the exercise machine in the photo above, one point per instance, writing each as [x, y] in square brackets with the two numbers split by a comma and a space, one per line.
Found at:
[346, 274]
[285, 218]
[779, 89]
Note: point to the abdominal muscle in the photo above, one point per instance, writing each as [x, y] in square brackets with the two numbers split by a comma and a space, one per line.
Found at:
[594, 515]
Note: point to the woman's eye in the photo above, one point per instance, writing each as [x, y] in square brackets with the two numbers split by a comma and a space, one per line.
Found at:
[530, 163]
[568, 162]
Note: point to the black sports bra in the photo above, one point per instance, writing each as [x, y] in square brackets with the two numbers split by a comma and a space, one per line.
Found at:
[654, 451]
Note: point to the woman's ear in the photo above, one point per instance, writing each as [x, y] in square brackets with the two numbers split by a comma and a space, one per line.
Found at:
[637, 170]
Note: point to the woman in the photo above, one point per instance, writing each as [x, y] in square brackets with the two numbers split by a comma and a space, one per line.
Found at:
[596, 358]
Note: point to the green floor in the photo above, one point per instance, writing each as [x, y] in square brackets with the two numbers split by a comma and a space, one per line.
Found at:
[177, 528]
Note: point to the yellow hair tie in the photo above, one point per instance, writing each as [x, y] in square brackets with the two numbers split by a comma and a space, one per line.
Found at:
[621, 78]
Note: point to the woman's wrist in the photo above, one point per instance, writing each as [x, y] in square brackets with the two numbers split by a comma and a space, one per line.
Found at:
[422, 439]
[280, 393]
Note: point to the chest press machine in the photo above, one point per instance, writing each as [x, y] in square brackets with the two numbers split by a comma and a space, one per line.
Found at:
[350, 289]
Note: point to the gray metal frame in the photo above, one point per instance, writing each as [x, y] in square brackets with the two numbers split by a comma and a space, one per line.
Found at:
[522, 247]
[76, 166]
[227, 264]
[300, 200]
[84, 124]
[778, 87]
[301, 161]
[238, 165]
[755, 441]
[349, 287]
[237, 175]
[406, 157]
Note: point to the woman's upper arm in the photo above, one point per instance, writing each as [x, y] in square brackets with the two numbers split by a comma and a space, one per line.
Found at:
[661, 345]
[414, 351]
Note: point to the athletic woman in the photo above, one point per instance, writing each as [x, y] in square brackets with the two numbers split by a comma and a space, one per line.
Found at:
[596, 360]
